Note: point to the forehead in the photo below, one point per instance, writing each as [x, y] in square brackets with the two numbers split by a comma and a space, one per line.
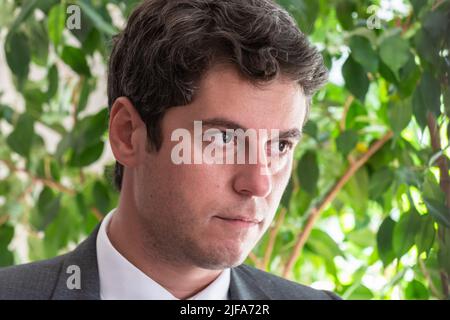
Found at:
[224, 93]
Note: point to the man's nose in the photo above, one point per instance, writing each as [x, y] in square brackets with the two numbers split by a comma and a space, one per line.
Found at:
[253, 180]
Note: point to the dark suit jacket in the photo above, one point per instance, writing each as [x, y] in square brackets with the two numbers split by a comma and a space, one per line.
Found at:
[48, 280]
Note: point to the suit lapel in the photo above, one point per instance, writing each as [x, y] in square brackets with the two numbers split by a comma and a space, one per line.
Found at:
[245, 287]
[84, 257]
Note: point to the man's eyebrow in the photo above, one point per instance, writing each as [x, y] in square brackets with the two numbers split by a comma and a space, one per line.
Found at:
[293, 133]
[222, 122]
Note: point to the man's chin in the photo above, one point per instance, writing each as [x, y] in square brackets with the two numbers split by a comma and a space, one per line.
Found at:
[224, 262]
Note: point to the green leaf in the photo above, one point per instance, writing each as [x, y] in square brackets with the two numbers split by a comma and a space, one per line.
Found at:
[418, 5]
[387, 73]
[87, 26]
[346, 142]
[409, 76]
[34, 98]
[25, 12]
[49, 164]
[385, 241]
[431, 188]
[65, 227]
[439, 211]
[356, 80]
[363, 237]
[427, 48]
[92, 41]
[426, 98]
[356, 195]
[446, 96]
[5, 187]
[21, 139]
[416, 291]
[308, 171]
[64, 145]
[426, 234]
[75, 58]
[38, 37]
[86, 89]
[310, 128]
[89, 131]
[6, 258]
[302, 201]
[400, 114]
[53, 79]
[81, 206]
[18, 56]
[363, 53]
[419, 109]
[86, 156]
[48, 206]
[380, 182]
[323, 245]
[6, 235]
[7, 113]
[406, 174]
[304, 11]
[361, 293]
[444, 251]
[394, 51]
[344, 10]
[327, 59]
[355, 114]
[405, 232]
[287, 194]
[96, 18]
[56, 23]
[6, 14]
[101, 197]
[435, 23]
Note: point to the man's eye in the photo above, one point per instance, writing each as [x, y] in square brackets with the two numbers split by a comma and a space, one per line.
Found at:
[219, 137]
[227, 137]
[282, 147]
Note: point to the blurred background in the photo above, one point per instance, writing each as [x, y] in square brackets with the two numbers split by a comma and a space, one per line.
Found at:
[366, 213]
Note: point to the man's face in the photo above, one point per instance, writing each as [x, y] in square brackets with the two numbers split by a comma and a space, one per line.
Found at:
[190, 212]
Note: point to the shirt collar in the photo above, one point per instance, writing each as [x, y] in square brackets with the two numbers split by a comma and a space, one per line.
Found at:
[120, 279]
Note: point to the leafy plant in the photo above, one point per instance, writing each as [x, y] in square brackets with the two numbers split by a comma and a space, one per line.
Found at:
[367, 211]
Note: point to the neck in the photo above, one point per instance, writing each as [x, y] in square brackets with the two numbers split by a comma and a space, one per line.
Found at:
[181, 280]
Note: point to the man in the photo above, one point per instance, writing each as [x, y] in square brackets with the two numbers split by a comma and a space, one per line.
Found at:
[182, 230]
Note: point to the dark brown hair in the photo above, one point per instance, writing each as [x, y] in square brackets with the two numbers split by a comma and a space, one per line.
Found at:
[159, 58]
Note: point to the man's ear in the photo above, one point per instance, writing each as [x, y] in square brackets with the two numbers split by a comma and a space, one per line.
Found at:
[127, 132]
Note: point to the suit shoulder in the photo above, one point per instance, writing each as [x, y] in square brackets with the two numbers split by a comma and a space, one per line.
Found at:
[281, 288]
[34, 280]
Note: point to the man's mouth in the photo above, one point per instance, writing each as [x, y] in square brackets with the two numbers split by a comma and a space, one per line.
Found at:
[241, 221]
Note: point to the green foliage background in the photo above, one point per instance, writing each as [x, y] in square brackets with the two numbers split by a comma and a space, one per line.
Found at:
[366, 213]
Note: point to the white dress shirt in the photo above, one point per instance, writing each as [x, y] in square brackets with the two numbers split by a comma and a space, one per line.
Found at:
[120, 279]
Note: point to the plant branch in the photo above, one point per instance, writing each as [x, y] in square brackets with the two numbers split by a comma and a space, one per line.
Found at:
[437, 4]
[256, 261]
[4, 219]
[347, 104]
[441, 161]
[48, 182]
[331, 195]
[272, 238]
[75, 100]
[427, 276]
[444, 182]
[97, 213]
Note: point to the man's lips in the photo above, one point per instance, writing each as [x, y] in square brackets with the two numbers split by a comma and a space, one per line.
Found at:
[240, 221]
